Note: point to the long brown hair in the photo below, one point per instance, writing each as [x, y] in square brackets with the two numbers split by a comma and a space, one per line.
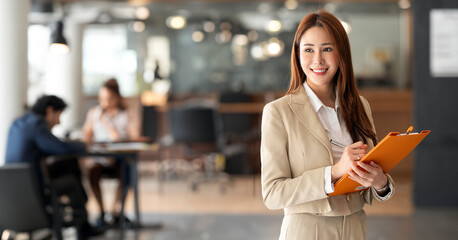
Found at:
[112, 85]
[353, 112]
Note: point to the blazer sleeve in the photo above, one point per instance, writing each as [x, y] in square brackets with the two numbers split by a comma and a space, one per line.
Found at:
[279, 188]
[50, 144]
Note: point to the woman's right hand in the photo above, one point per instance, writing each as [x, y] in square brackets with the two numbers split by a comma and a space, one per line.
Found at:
[352, 153]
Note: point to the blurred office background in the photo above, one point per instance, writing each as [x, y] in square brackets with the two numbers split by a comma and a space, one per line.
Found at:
[235, 56]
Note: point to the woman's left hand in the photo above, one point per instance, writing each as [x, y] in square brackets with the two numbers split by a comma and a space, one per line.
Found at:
[373, 175]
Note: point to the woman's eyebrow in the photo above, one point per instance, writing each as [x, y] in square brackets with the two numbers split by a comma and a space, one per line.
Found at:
[311, 45]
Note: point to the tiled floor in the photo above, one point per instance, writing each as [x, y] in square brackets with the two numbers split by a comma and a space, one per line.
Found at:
[239, 213]
[243, 195]
[425, 224]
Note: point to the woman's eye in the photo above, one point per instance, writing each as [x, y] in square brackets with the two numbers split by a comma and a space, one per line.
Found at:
[308, 50]
[327, 49]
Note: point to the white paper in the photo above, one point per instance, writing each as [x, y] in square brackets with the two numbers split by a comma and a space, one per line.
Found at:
[444, 42]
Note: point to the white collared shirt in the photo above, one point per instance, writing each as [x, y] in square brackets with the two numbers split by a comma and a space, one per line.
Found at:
[335, 128]
[332, 121]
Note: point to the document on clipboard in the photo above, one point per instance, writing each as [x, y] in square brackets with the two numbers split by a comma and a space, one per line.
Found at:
[387, 154]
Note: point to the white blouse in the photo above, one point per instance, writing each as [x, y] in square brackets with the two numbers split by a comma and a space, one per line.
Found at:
[100, 132]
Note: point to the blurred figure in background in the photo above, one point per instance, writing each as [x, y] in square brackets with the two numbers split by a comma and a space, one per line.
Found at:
[30, 140]
[108, 122]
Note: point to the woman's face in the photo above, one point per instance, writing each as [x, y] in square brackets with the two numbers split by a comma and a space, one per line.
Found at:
[107, 99]
[318, 57]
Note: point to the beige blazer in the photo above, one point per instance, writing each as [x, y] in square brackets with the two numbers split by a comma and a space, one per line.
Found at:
[295, 150]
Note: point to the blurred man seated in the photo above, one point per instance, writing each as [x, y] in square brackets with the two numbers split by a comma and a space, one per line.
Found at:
[30, 140]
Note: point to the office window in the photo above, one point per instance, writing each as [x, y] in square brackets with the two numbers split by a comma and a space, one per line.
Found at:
[38, 45]
[105, 55]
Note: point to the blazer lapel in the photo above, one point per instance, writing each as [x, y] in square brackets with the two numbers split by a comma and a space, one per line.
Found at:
[304, 111]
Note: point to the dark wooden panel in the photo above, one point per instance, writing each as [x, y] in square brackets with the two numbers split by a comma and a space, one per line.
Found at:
[435, 109]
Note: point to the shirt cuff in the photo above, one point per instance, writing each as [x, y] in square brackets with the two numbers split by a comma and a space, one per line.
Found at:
[328, 185]
[387, 195]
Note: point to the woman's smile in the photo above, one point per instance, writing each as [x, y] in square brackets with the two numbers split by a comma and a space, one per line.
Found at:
[319, 71]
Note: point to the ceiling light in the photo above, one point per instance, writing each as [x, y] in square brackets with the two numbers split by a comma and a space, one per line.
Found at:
[240, 39]
[291, 4]
[274, 47]
[198, 36]
[257, 52]
[59, 48]
[273, 26]
[223, 37]
[209, 26]
[176, 22]
[138, 26]
[142, 13]
[252, 35]
[225, 26]
[58, 42]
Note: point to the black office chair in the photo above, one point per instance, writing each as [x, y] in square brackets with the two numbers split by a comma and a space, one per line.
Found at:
[150, 130]
[238, 128]
[150, 122]
[199, 130]
[239, 131]
[194, 125]
[235, 125]
[22, 202]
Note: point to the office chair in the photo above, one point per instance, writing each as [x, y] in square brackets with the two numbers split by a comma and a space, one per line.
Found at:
[198, 129]
[239, 131]
[150, 128]
[149, 123]
[238, 128]
[22, 202]
[235, 125]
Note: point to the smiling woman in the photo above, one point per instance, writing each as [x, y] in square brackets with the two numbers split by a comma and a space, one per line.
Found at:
[299, 164]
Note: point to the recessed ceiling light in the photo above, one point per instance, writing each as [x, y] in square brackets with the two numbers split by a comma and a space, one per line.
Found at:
[176, 22]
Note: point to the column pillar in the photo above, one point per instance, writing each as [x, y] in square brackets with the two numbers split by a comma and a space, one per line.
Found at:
[13, 64]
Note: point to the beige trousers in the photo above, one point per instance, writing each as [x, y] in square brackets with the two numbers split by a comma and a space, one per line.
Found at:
[304, 226]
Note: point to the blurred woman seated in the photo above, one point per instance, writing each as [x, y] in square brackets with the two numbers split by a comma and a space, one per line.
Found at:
[108, 122]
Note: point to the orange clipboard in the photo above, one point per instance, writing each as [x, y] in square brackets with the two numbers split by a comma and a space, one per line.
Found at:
[387, 154]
